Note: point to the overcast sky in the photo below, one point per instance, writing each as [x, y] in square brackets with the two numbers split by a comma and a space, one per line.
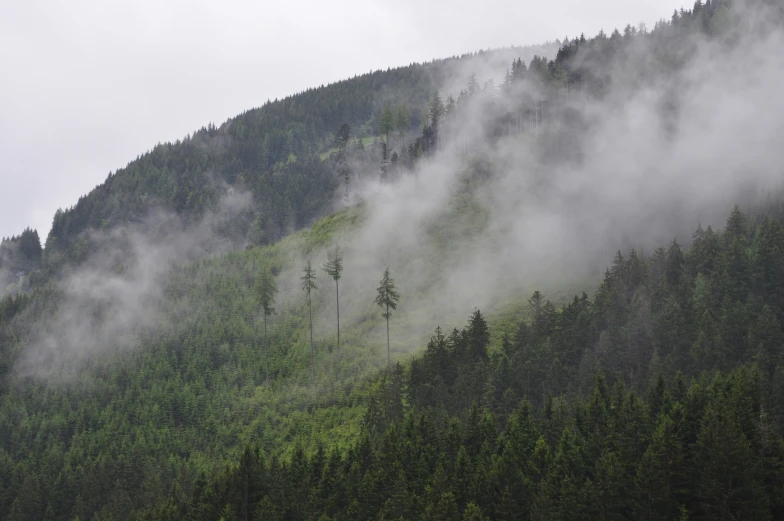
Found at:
[86, 86]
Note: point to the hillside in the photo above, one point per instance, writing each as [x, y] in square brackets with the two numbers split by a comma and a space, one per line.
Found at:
[273, 152]
[659, 398]
[19, 256]
[159, 363]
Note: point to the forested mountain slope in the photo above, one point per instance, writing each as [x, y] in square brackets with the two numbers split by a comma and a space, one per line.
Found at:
[661, 329]
[273, 152]
[19, 255]
[165, 373]
[662, 397]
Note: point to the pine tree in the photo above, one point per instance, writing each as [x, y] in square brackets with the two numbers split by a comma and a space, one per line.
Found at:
[473, 513]
[609, 489]
[478, 337]
[342, 136]
[308, 285]
[387, 122]
[766, 341]
[28, 504]
[334, 268]
[441, 502]
[560, 494]
[387, 299]
[727, 470]
[515, 471]
[228, 513]
[736, 225]
[734, 263]
[265, 293]
[267, 510]
[397, 505]
[675, 270]
[463, 477]
[402, 121]
[661, 475]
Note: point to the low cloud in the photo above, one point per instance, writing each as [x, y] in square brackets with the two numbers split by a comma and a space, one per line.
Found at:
[106, 304]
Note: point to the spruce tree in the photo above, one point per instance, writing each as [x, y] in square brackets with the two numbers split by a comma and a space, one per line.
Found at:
[387, 299]
[265, 293]
[661, 476]
[728, 482]
[473, 513]
[334, 268]
[308, 285]
[402, 121]
[387, 122]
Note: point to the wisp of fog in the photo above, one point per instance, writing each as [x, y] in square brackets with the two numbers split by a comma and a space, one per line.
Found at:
[487, 219]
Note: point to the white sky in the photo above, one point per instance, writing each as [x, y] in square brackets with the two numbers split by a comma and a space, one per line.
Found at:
[86, 86]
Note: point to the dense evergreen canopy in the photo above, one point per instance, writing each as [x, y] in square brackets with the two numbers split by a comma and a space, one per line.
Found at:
[624, 406]
[660, 396]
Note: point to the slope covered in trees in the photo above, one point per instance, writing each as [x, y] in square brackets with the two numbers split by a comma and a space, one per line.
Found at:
[274, 152]
[659, 398]
[19, 255]
[145, 382]
[102, 424]
[552, 99]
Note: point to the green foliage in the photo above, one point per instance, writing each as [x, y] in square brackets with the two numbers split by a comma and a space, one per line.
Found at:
[272, 152]
[402, 119]
[658, 398]
[188, 398]
[387, 122]
[699, 459]
[19, 255]
[334, 268]
[334, 263]
[265, 293]
[630, 444]
[387, 296]
[308, 285]
[308, 279]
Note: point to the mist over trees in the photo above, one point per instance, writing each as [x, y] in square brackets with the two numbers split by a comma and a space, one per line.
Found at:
[130, 361]
[277, 152]
[604, 407]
